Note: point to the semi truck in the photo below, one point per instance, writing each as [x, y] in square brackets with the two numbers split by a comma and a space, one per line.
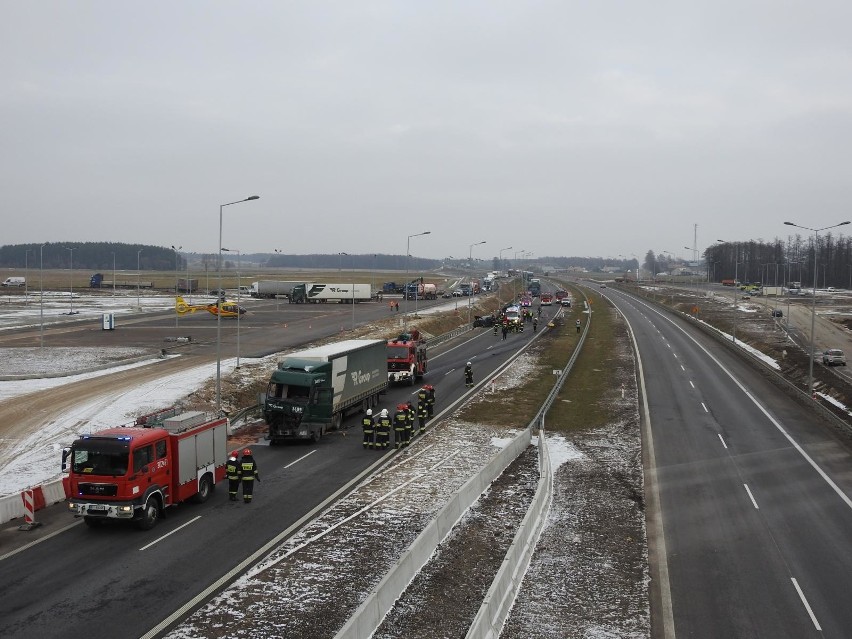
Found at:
[406, 358]
[134, 473]
[272, 288]
[311, 391]
[420, 291]
[320, 293]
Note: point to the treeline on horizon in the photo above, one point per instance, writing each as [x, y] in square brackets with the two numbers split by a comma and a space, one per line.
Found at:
[104, 256]
[776, 263]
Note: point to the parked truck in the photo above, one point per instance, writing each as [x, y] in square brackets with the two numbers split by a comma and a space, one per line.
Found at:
[321, 293]
[773, 290]
[272, 288]
[134, 473]
[393, 287]
[406, 358]
[312, 391]
[420, 291]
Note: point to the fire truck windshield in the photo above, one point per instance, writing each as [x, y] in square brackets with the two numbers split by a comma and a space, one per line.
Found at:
[100, 457]
[398, 352]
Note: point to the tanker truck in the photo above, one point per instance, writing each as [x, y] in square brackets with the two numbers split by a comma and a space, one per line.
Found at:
[312, 390]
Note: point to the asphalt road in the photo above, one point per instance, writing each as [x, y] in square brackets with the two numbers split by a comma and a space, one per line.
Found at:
[753, 493]
[114, 581]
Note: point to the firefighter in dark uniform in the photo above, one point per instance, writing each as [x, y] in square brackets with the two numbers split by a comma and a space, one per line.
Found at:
[430, 399]
[369, 429]
[232, 472]
[422, 413]
[410, 428]
[248, 470]
[578, 326]
[468, 375]
[400, 421]
[535, 324]
[383, 429]
[496, 326]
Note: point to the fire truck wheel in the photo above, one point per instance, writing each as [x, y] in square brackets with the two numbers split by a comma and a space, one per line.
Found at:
[150, 515]
[205, 488]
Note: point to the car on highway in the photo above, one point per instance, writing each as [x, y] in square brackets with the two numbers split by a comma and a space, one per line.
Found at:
[777, 313]
[565, 301]
[834, 357]
[483, 320]
[457, 293]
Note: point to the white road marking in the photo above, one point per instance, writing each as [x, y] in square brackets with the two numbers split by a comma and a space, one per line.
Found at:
[722, 440]
[805, 602]
[300, 458]
[449, 371]
[38, 541]
[704, 407]
[168, 534]
[682, 368]
[750, 496]
[691, 384]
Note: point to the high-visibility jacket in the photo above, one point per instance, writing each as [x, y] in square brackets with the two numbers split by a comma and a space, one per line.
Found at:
[249, 470]
[384, 425]
[232, 471]
[421, 409]
[400, 419]
[367, 423]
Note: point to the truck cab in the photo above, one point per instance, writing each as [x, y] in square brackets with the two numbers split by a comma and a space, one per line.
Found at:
[407, 360]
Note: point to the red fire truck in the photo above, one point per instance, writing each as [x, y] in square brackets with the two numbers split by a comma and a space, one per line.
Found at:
[406, 358]
[134, 473]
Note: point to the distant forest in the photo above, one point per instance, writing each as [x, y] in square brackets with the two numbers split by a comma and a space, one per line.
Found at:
[104, 256]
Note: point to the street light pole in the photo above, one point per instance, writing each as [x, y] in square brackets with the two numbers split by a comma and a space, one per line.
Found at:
[113, 273]
[176, 249]
[219, 313]
[470, 261]
[26, 276]
[41, 296]
[71, 279]
[500, 257]
[138, 305]
[515, 279]
[237, 251]
[813, 302]
[407, 274]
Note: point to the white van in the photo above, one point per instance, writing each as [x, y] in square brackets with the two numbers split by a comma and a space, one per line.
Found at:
[15, 281]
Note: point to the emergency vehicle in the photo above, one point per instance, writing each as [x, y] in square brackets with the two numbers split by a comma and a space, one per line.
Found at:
[134, 472]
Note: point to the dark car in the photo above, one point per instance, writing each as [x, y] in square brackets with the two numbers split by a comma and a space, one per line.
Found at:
[483, 320]
[777, 313]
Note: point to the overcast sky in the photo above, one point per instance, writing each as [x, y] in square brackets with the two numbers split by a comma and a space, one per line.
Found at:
[560, 128]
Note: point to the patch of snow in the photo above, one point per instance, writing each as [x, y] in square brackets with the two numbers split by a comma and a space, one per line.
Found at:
[771, 361]
[562, 451]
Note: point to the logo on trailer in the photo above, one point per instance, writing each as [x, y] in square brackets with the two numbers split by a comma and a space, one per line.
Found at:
[360, 378]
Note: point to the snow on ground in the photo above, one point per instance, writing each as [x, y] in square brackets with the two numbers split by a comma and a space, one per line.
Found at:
[771, 361]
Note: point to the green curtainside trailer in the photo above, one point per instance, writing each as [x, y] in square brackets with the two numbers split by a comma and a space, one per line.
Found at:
[312, 391]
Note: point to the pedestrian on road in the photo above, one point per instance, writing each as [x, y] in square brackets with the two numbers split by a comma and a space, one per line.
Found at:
[468, 375]
[505, 330]
[369, 429]
[535, 324]
[578, 326]
[409, 427]
[248, 468]
[232, 472]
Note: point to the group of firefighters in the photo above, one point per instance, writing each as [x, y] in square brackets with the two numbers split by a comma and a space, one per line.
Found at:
[241, 471]
[526, 316]
[406, 423]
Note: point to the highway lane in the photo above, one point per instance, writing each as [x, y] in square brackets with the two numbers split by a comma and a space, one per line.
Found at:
[112, 582]
[754, 493]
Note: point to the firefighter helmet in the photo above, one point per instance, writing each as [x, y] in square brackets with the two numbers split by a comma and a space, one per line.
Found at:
[247, 451]
[235, 453]
[402, 406]
[384, 412]
[369, 411]
[468, 363]
[232, 457]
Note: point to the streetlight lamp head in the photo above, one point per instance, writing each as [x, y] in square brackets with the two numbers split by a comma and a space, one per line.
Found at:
[252, 197]
[789, 224]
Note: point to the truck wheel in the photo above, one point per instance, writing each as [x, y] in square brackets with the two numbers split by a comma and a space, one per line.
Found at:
[315, 436]
[205, 489]
[150, 515]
